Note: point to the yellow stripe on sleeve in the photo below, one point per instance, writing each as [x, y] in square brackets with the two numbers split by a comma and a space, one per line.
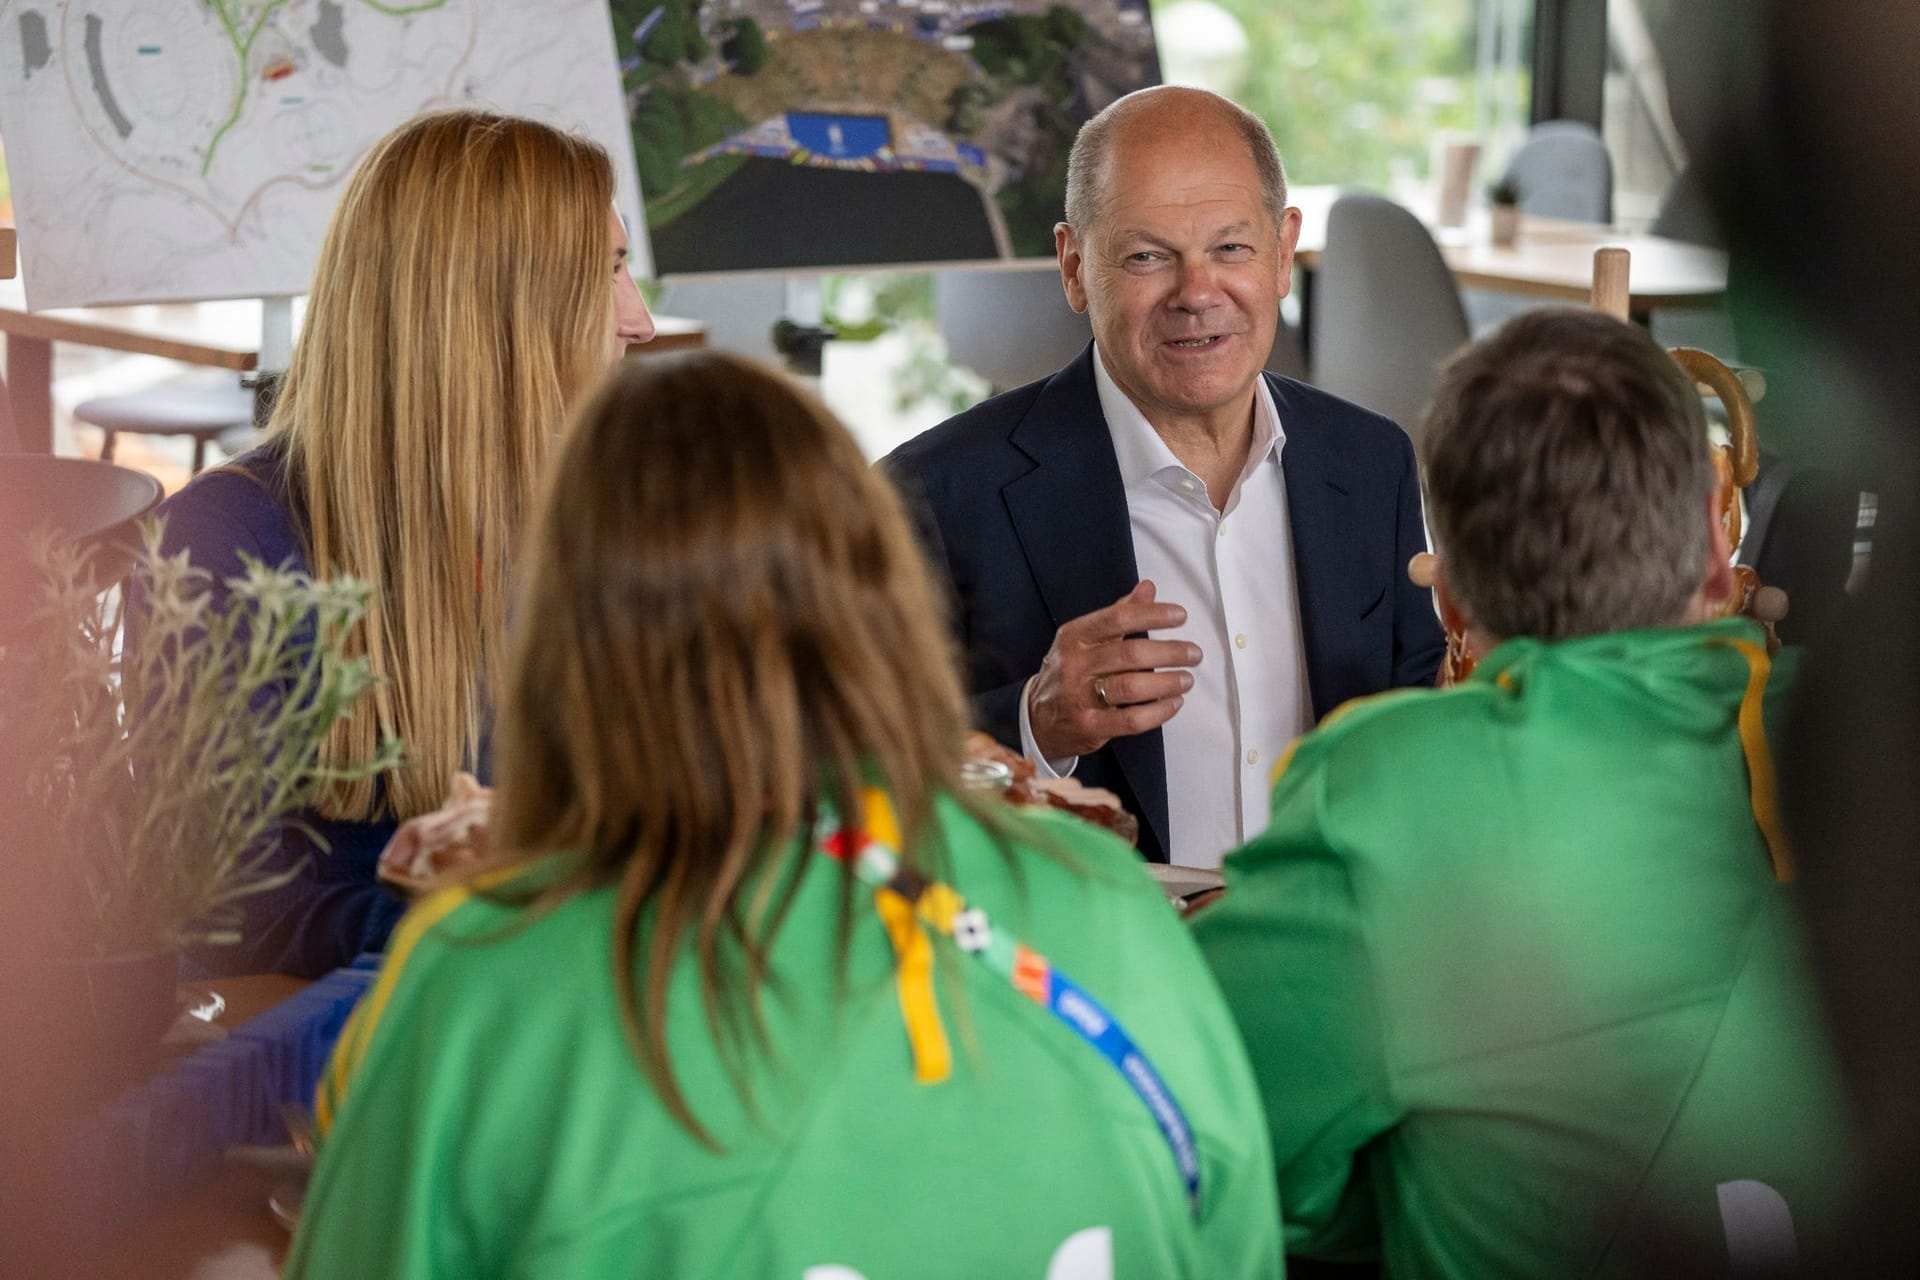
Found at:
[1761, 780]
[358, 1033]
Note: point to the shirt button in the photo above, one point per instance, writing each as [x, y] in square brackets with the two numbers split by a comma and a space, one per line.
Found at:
[1253, 756]
[1240, 641]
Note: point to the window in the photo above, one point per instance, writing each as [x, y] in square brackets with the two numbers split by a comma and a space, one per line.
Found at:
[1646, 148]
[1355, 92]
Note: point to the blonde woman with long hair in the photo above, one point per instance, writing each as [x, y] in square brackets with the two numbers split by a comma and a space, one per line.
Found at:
[472, 286]
[756, 988]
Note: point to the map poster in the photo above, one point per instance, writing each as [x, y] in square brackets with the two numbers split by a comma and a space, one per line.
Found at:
[184, 149]
[783, 134]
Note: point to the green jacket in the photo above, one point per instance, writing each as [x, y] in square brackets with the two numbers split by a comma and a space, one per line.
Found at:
[486, 1117]
[1518, 981]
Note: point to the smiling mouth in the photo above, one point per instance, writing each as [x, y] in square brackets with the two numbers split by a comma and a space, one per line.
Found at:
[1197, 344]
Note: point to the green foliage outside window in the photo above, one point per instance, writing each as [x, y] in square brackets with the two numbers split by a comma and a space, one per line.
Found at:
[1355, 91]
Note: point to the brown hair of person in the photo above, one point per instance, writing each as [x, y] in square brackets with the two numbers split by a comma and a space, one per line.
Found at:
[1567, 471]
[726, 625]
[460, 307]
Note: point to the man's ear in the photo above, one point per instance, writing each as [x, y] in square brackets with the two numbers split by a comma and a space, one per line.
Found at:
[1289, 239]
[1066, 247]
[1717, 580]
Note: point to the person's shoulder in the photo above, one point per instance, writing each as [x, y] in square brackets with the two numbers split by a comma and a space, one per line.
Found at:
[470, 956]
[502, 908]
[486, 942]
[257, 477]
[1303, 407]
[1409, 727]
[242, 505]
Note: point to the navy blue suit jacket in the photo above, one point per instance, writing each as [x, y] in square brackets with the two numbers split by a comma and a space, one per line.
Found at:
[1019, 501]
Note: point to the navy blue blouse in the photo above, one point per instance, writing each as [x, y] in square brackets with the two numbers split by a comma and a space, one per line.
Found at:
[335, 908]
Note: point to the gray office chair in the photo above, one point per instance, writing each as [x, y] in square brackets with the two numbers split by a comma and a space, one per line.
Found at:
[1802, 522]
[1010, 327]
[1385, 310]
[1289, 355]
[1562, 170]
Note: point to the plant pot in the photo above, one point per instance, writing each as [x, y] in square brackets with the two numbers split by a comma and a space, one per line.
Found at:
[124, 1002]
[1506, 225]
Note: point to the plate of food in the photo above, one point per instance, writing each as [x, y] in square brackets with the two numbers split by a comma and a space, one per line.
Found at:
[994, 767]
[434, 847]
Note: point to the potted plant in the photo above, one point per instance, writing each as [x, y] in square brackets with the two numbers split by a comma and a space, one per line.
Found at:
[1503, 199]
[155, 761]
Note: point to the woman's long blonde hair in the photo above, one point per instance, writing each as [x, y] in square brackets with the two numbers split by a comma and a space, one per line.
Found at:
[725, 624]
[461, 305]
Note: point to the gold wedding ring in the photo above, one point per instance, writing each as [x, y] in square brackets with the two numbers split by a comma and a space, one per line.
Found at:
[1100, 691]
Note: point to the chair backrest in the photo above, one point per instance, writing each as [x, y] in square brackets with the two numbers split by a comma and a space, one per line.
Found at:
[1562, 170]
[1010, 327]
[1801, 525]
[1288, 357]
[1385, 310]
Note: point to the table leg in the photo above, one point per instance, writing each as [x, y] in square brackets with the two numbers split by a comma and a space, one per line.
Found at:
[30, 388]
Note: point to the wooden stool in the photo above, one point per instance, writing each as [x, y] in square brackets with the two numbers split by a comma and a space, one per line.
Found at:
[201, 412]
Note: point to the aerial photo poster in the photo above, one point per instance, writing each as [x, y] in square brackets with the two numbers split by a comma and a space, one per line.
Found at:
[784, 134]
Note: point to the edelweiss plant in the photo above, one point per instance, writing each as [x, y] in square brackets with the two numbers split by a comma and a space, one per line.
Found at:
[163, 754]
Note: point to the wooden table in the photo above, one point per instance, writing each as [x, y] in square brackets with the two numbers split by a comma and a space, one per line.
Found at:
[250, 996]
[218, 335]
[1553, 259]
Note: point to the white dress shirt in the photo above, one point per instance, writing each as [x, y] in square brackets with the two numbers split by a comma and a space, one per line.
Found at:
[1232, 570]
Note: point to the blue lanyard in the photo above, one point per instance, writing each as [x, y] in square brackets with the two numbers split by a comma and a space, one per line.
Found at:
[876, 863]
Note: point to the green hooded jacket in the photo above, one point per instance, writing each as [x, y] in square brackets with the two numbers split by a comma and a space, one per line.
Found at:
[1517, 976]
[483, 1115]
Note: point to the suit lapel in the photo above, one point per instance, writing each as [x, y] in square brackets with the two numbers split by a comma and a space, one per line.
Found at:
[1070, 515]
[1326, 562]
[1070, 511]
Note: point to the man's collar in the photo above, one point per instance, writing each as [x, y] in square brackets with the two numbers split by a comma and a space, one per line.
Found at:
[1141, 452]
